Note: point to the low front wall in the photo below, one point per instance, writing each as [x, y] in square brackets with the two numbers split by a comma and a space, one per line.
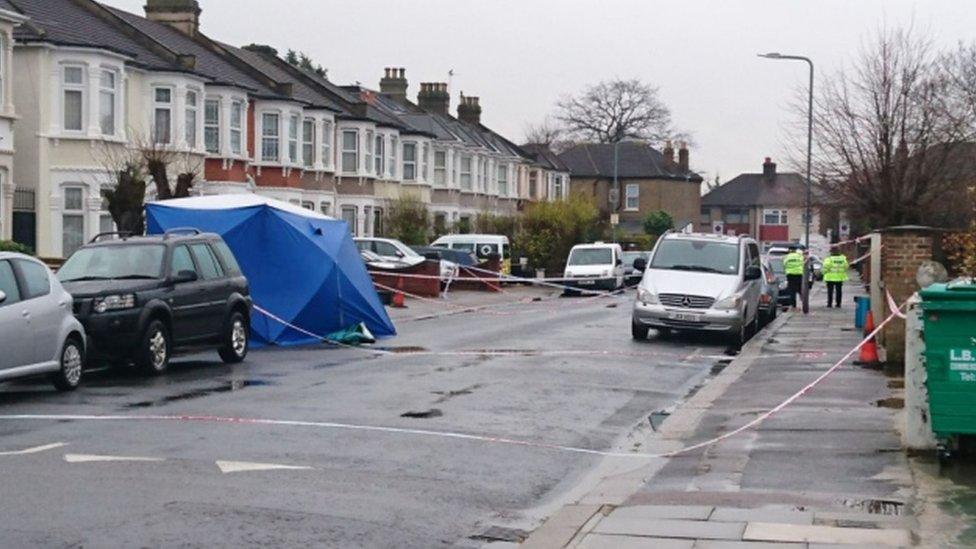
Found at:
[426, 287]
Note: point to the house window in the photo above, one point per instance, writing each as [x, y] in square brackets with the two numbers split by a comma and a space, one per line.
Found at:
[735, 215]
[191, 119]
[162, 115]
[325, 208]
[380, 157]
[73, 220]
[465, 172]
[308, 144]
[774, 217]
[367, 217]
[211, 125]
[440, 168]
[632, 197]
[409, 161]
[424, 159]
[105, 222]
[349, 216]
[326, 143]
[236, 124]
[73, 82]
[477, 172]
[293, 139]
[107, 84]
[369, 152]
[705, 215]
[558, 187]
[392, 164]
[533, 183]
[3, 64]
[308, 205]
[270, 133]
[377, 221]
[350, 152]
[502, 177]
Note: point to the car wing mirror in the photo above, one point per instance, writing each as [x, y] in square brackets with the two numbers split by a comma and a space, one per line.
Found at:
[3, 296]
[640, 264]
[753, 273]
[185, 276]
[620, 261]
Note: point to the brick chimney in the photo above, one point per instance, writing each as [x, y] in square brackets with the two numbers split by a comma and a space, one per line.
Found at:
[433, 97]
[683, 156]
[469, 110]
[183, 15]
[769, 170]
[668, 153]
[394, 83]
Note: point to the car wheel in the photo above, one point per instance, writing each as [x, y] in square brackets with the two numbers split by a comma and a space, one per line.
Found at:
[664, 333]
[72, 359]
[638, 331]
[153, 352]
[738, 339]
[235, 339]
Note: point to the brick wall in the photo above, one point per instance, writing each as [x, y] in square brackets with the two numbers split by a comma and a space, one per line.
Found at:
[903, 250]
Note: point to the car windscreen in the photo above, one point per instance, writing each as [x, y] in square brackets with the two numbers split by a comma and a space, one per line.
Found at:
[590, 256]
[408, 251]
[114, 262]
[697, 255]
[629, 257]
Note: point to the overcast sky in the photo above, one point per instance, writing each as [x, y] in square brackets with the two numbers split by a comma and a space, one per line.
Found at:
[520, 56]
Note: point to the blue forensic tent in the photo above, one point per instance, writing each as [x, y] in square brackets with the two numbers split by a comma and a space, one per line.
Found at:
[303, 267]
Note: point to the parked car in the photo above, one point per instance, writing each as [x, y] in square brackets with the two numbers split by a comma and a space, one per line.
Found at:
[459, 257]
[597, 266]
[632, 274]
[782, 248]
[482, 245]
[38, 333]
[700, 282]
[390, 250]
[373, 260]
[816, 264]
[769, 296]
[140, 299]
[776, 266]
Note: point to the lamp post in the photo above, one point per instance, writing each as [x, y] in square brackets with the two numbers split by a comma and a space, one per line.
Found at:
[615, 203]
[806, 264]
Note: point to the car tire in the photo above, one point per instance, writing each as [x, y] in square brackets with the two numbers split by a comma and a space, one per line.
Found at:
[70, 364]
[152, 355]
[663, 333]
[638, 331]
[738, 339]
[235, 340]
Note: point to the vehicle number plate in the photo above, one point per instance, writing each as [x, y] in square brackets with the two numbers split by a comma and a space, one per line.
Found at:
[687, 317]
[586, 282]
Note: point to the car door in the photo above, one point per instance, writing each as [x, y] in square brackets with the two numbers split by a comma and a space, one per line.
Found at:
[754, 287]
[187, 299]
[387, 251]
[15, 337]
[43, 308]
[217, 288]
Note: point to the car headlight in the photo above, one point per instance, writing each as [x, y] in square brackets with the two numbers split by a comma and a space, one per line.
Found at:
[729, 303]
[646, 296]
[783, 284]
[115, 302]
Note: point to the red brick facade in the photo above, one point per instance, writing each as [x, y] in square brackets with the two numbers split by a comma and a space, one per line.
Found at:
[903, 250]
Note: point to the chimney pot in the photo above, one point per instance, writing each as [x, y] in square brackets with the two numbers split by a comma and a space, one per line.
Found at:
[683, 162]
[394, 84]
[769, 169]
[182, 15]
[433, 97]
[469, 110]
[668, 153]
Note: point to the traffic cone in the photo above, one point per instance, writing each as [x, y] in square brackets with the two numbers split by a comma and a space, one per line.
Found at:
[398, 294]
[869, 351]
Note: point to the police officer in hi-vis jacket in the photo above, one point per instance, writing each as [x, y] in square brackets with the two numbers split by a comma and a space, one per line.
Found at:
[835, 275]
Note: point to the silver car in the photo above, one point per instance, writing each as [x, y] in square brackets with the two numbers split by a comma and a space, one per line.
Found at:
[38, 332]
[700, 282]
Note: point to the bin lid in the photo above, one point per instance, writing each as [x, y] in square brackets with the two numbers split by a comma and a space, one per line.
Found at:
[957, 290]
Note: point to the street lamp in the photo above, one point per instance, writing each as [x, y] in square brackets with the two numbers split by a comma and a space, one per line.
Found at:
[806, 264]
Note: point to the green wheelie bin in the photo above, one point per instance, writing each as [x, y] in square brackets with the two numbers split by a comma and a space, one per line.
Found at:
[950, 360]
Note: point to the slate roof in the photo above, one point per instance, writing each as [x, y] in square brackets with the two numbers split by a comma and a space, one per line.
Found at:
[544, 156]
[635, 161]
[754, 189]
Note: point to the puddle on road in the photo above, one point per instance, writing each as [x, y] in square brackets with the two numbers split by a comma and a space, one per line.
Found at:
[433, 412]
[657, 418]
[405, 349]
[876, 506]
[230, 386]
[891, 402]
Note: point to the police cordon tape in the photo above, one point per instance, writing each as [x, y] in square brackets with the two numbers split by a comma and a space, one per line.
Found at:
[463, 436]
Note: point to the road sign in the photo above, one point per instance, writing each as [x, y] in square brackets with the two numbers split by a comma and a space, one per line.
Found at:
[615, 219]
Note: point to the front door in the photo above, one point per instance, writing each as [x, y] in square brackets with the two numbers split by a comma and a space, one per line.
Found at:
[15, 337]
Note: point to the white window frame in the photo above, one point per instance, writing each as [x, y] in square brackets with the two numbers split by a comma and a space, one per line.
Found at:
[379, 154]
[502, 179]
[237, 126]
[354, 223]
[73, 213]
[411, 173]
[327, 144]
[392, 163]
[369, 151]
[425, 161]
[632, 193]
[466, 163]
[110, 92]
[191, 117]
[294, 121]
[354, 151]
[779, 216]
[211, 128]
[440, 170]
[270, 141]
[157, 107]
[308, 143]
[81, 89]
[558, 187]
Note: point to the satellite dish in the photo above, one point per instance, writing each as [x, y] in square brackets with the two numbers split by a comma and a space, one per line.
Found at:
[929, 273]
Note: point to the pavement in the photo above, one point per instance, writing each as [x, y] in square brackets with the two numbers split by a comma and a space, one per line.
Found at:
[827, 471]
[468, 430]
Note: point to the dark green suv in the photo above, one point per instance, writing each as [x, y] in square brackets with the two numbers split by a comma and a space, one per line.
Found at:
[142, 298]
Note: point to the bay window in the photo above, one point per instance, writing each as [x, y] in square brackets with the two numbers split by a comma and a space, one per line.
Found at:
[440, 168]
[409, 161]
[326, 144]
[350, 152]
[424, 159]
[293, 139]
[466, 172]
[558, 187]
[379, 155]
[533, 183]
[369, 153]
[502, 180]
[191, 119]
[236, 126]
[394, 147]
[211, 125]
[73, 98]
[107, 84]
[308, 143]
[72, 220]
[162, 115]
[270, 135]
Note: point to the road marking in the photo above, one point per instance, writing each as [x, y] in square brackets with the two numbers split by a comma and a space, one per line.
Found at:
[34, 450]
[89, 458]
[246, 466]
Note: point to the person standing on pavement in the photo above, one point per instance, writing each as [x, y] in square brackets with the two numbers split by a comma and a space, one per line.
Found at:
[835, 275]
[793, 265]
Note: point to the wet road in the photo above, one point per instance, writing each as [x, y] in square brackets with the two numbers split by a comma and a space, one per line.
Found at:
[562, 372]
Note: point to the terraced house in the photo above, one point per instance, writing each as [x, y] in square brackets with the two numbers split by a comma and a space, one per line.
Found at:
[91, 84]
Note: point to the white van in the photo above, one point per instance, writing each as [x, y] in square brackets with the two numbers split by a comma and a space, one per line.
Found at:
[599, 265]
[482, 245]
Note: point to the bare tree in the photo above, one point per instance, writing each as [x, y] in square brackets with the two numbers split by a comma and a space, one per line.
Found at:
[548, 132]
[884, 130]
[614, 110]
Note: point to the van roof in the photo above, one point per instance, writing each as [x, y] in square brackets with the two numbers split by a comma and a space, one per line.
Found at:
[597, 245]
[705, 236]
[463, 237]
